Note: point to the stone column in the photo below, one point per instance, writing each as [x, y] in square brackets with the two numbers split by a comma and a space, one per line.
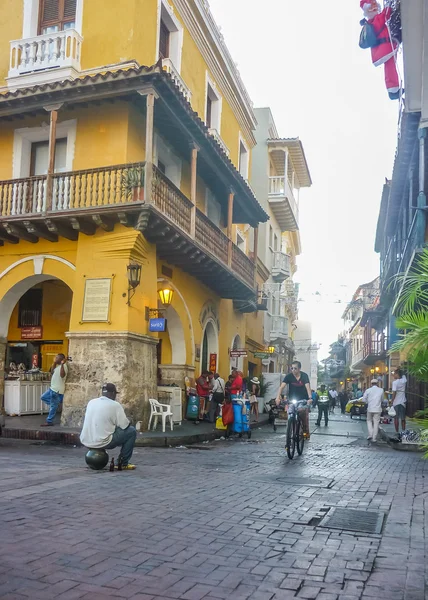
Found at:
[3, 344]
[126, 359]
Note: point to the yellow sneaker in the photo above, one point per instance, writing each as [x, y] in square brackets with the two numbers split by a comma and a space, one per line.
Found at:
[128, 467]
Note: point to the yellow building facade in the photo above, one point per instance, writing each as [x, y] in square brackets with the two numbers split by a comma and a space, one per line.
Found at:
[111, 170]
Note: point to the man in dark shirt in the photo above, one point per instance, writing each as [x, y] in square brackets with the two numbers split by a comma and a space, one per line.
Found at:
[299, 388]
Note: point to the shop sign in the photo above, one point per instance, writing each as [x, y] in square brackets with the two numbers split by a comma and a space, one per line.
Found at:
[262, 355]
[158, 325]
[96, 303]
[213, 363]
[32, 333]
[238, 352]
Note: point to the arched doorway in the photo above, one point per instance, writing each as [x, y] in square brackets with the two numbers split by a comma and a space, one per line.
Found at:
[172, 345]
[209, 345]
[238, 361]
[34, 316]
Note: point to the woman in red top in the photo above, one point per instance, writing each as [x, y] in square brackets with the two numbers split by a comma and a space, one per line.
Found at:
[237, 383]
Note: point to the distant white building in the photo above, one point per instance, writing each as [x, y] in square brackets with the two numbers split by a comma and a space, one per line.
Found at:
[306, 351]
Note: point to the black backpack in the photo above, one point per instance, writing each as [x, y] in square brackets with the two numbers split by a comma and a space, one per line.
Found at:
[368, 38]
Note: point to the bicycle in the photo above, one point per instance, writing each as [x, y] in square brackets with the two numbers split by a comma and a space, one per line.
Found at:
[295, 433]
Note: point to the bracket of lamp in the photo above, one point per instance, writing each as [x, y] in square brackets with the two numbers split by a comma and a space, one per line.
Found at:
[153, 313]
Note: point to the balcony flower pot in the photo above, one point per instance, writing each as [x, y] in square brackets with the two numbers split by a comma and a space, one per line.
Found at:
[133, 184]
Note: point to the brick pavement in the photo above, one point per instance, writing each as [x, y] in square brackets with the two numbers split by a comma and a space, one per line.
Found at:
[216, 522]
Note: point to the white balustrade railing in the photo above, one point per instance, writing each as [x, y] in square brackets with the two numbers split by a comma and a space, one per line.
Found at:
[217, 137]
[169, 67]
[280, 186]
[281, 263]
[51, 50]
[279, 326]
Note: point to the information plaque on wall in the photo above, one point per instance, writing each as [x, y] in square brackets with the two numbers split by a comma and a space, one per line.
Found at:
[96, 303]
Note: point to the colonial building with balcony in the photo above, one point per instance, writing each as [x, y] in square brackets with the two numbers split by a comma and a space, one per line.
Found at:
[402, 225]
[119, 181]
[279, 171]
[366, 338]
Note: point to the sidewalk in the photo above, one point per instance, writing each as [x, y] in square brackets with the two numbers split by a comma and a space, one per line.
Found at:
[29, 428]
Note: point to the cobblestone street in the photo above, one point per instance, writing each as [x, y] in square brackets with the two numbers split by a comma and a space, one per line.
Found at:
[222, 520]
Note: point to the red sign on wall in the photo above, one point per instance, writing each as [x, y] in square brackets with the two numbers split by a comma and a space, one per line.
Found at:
[213, 363]
[32, 333]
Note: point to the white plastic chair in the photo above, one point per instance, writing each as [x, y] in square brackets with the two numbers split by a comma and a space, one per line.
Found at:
[160, 410]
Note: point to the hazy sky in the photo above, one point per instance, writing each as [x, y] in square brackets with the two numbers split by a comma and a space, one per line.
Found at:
[303, 60]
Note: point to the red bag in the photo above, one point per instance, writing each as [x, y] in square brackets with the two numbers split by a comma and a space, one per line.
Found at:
[227, 413]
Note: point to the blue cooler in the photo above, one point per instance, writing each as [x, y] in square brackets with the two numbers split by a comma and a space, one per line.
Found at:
[241, 418]
[192, 413]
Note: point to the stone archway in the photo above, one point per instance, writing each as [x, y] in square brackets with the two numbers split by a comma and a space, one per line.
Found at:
[17, 279]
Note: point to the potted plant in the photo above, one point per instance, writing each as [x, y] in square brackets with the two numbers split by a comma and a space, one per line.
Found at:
[133, 183]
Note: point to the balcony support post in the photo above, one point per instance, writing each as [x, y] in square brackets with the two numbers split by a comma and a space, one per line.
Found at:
[285, 166]
[53, 117]
[193, 181]
[256, 250]
[148, 179]
[229, 226]
[422, 199]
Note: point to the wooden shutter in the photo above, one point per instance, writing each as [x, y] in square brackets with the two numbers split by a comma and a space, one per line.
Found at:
[56, 12]
[163, 41]
[69, 10]
[209, 111]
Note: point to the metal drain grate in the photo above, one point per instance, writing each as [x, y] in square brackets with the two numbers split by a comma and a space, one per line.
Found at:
[352, 519]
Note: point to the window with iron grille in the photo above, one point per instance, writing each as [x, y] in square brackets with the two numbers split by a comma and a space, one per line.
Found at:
[57, 15]
[30, 309]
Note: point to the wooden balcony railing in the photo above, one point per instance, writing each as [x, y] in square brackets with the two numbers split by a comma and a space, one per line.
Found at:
[211, 237]
[376, 347]
[61, 193]
[243, 265]
[86, 188]
[171, 201]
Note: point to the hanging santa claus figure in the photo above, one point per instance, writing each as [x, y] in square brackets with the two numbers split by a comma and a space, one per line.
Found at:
[385, 48]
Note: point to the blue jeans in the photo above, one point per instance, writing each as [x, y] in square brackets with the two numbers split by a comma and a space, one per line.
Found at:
[52, 399]
[126, 439]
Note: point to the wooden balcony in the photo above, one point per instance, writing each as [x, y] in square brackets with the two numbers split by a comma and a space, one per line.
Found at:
[80, 201]
[375, 349]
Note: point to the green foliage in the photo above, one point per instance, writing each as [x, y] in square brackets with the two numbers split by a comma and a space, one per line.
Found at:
[411, 311]
[131, 179]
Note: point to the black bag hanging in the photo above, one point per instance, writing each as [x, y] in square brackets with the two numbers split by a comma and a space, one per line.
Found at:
[368, 38]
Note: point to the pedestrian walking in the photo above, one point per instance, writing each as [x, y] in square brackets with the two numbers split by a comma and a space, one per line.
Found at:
[203, 390]
[255, 392]
[343, 400]
[332, 395]
[399, 399]
[373, 397]
[315, 399]
[106, 426]
[323, 408]
[218, 394]
[55, 394]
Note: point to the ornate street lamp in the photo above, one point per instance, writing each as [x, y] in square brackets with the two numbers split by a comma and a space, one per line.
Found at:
[166, 295]
[271, 349]
[134, 279]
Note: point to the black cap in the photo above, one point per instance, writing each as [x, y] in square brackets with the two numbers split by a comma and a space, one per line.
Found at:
[109, 388]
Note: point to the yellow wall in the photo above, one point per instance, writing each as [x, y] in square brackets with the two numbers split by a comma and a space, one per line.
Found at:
[126, 31]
